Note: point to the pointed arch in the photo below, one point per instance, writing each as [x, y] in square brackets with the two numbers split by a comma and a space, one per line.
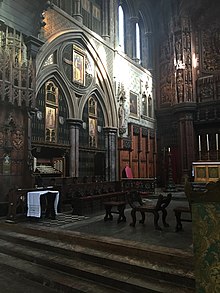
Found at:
[105, 88]
[53, 73]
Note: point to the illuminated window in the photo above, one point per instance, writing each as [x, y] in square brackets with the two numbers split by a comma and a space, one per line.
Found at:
[91, 12]
[121, 28]
[92, 107]
[138, 42]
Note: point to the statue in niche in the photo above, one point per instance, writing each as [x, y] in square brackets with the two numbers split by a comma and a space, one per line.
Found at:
[1, 138]
[178, 50]
[17, 139]
[189, 58]
[180, 85]
[7, 159]
[206, 92]
[188, 41]
[144, 103]
[121, 114]
[121, 108]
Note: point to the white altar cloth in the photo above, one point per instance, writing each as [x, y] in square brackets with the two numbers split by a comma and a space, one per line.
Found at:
[33, 202]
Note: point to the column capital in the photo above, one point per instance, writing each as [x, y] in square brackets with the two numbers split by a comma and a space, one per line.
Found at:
[134, 19]
[110, 129]
[74, 121]
[148, 34]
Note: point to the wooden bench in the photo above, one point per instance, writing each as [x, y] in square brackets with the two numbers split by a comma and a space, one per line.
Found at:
[137, 205]
[109, 210]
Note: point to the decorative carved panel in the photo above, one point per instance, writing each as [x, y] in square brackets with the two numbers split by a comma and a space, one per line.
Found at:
[210, 39]
[16, 70]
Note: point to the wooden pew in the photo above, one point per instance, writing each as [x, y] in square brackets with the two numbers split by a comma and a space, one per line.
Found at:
[90, 197]
[137, 205]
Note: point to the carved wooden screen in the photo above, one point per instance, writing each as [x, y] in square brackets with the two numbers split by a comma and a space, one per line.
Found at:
[17, 80]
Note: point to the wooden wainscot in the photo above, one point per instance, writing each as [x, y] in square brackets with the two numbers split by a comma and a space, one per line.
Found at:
[90, 197]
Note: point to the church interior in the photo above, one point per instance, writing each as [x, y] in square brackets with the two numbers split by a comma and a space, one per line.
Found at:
[106, 103]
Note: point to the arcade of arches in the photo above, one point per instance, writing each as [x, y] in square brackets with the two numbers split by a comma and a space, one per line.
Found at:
[89, 87]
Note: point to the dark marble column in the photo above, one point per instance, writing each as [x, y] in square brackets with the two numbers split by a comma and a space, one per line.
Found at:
[74, 127]
[111, 150]
[187, 144]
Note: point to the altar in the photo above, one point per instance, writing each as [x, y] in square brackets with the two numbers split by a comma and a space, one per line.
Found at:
[33, 202]
[206, 171]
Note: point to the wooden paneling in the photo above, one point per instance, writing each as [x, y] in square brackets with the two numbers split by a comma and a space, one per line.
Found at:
[140, 157]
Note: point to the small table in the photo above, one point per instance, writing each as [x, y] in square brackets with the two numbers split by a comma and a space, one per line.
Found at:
[33, 202]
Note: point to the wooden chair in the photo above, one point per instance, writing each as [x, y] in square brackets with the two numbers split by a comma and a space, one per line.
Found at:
[109, 209]
[182, 212]
[137, 205]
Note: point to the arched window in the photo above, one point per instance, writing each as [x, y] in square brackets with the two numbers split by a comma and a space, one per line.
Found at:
[91, 12]
[138, 42]
[51, 111]
[121, 28]
[49, 124]
[92, 122]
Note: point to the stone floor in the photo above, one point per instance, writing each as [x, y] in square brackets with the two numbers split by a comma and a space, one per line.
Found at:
[140, 233]
[94, 224]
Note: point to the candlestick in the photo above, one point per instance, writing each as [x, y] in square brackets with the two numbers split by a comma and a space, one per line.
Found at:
[207, 138]
[199, 143]
[216, 141]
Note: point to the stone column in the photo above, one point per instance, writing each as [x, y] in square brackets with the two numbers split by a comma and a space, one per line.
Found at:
[147, 60]
[74, 126]
[133, 21]
[105, 20]
[77, 10]
[111, 152]
[187, 144]
[113, 22]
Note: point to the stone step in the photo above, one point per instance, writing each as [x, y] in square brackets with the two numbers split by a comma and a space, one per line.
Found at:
[81, 268]
[12, 282]
[128, 249]
[50, 279]
[140, 266]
